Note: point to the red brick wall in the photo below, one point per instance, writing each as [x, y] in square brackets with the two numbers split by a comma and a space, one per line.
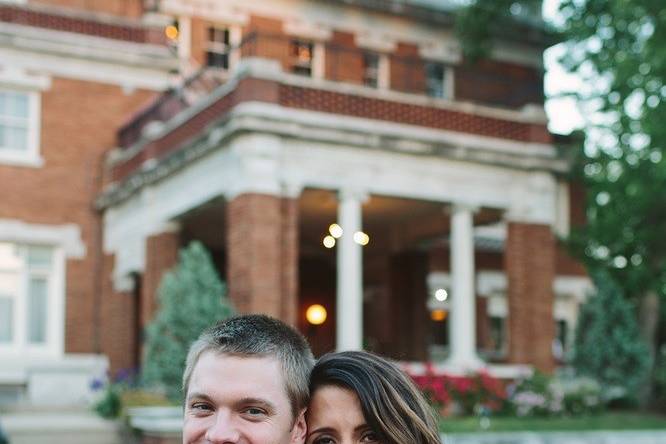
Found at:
[261, 263]
[499, 83]
[76, 130]
[407, 69]
[161, 256]
[117, 321]
[126, 8]
[344, 60]
[530, 268]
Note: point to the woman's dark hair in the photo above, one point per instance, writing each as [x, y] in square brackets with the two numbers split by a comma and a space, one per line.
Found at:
[392, 405]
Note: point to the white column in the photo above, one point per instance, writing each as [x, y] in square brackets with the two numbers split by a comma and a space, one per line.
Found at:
[462, 328]
[349, 325]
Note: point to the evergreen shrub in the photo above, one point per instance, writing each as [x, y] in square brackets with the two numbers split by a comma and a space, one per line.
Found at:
[192, 298]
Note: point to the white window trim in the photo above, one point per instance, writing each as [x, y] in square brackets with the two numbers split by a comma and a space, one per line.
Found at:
[67, 243]
[384, 75]
[17, 80]
[318, 60]
[55, 333]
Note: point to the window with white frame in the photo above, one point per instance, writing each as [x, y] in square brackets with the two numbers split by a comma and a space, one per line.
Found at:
[28, 284]
[438, 80]
[19, 125]
[218, 47]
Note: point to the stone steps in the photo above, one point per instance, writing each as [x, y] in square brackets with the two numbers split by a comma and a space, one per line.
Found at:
[65, 427]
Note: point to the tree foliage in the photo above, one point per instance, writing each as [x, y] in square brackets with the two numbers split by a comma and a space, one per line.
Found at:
[192, 298]
[608, 344]
[618, 47]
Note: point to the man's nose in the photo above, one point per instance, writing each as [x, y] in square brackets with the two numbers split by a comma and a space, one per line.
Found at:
[223, 430]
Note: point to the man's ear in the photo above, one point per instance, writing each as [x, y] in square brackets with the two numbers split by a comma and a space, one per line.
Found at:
[300, 430]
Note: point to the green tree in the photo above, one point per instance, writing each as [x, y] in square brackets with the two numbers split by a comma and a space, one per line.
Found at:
[618, 49]
[192, 298]
[608, 345]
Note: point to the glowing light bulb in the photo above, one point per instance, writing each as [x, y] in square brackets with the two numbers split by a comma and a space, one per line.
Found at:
[335, 230]
[316, 314]
[171, 32]
[441, 295]
[361, 238]
[329, 242]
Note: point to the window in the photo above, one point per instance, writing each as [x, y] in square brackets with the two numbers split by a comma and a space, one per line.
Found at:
[437, 80]
[218, 48]
[27, 287]
[14, 121]
[301, 54]
[371, 69]
[497, 333]
[19, 122]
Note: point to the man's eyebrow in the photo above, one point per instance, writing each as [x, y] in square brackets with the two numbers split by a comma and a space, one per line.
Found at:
[199, 395]
[257, 402]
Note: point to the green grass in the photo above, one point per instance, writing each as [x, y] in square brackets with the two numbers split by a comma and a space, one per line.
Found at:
[606, 421]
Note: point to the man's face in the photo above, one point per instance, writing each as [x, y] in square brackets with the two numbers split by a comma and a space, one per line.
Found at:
[239, 400]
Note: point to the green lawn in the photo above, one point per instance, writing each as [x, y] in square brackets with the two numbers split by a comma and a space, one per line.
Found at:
[607, 421]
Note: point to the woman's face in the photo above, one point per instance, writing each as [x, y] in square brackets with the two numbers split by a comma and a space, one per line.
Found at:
[335, 417]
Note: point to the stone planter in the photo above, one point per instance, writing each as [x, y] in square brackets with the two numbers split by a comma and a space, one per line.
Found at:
[157, 425]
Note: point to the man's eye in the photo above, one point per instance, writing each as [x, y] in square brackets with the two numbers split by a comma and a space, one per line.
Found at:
[324, 440]
[200, 407]
[255, 411]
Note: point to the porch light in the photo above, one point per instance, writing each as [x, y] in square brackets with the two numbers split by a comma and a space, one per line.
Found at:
[316, 314]
[441, 295]
[329, 242]
[438, 315]
[361, 238]
[171, 32]
[335, 230]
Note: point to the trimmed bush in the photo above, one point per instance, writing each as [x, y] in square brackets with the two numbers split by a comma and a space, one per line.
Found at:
[192, 298]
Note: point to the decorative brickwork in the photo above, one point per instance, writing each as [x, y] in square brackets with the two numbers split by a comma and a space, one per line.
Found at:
[131, 32]
[262, 267]
[530, 268]
[419, 115]
[247, 90]
[290, 96]
[161, 256]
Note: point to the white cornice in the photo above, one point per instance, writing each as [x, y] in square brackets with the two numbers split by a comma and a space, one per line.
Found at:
[86, 57]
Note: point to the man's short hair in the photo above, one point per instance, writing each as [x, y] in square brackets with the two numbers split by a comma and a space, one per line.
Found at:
[259, 336]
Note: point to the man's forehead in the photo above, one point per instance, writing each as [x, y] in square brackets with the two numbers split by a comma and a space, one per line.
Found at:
[224, 371]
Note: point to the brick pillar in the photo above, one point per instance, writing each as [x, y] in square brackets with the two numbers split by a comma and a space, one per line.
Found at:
[529, 261]
[262, 255]
[117, 331]
[161, 256]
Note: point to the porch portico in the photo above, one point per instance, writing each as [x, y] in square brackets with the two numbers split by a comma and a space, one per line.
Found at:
[262, 159]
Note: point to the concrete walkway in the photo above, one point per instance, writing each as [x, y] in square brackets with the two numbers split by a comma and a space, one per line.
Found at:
[599, 437]
[64, 427]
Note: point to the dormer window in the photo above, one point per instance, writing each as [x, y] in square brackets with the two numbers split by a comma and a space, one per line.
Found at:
[438, 80]
[301, 56]
[218, 47]
[371, 69]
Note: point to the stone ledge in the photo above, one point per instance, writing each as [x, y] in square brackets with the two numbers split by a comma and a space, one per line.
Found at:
[595, 437]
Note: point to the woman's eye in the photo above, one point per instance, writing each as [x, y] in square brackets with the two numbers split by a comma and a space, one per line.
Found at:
[370, 437]
[323, 440]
